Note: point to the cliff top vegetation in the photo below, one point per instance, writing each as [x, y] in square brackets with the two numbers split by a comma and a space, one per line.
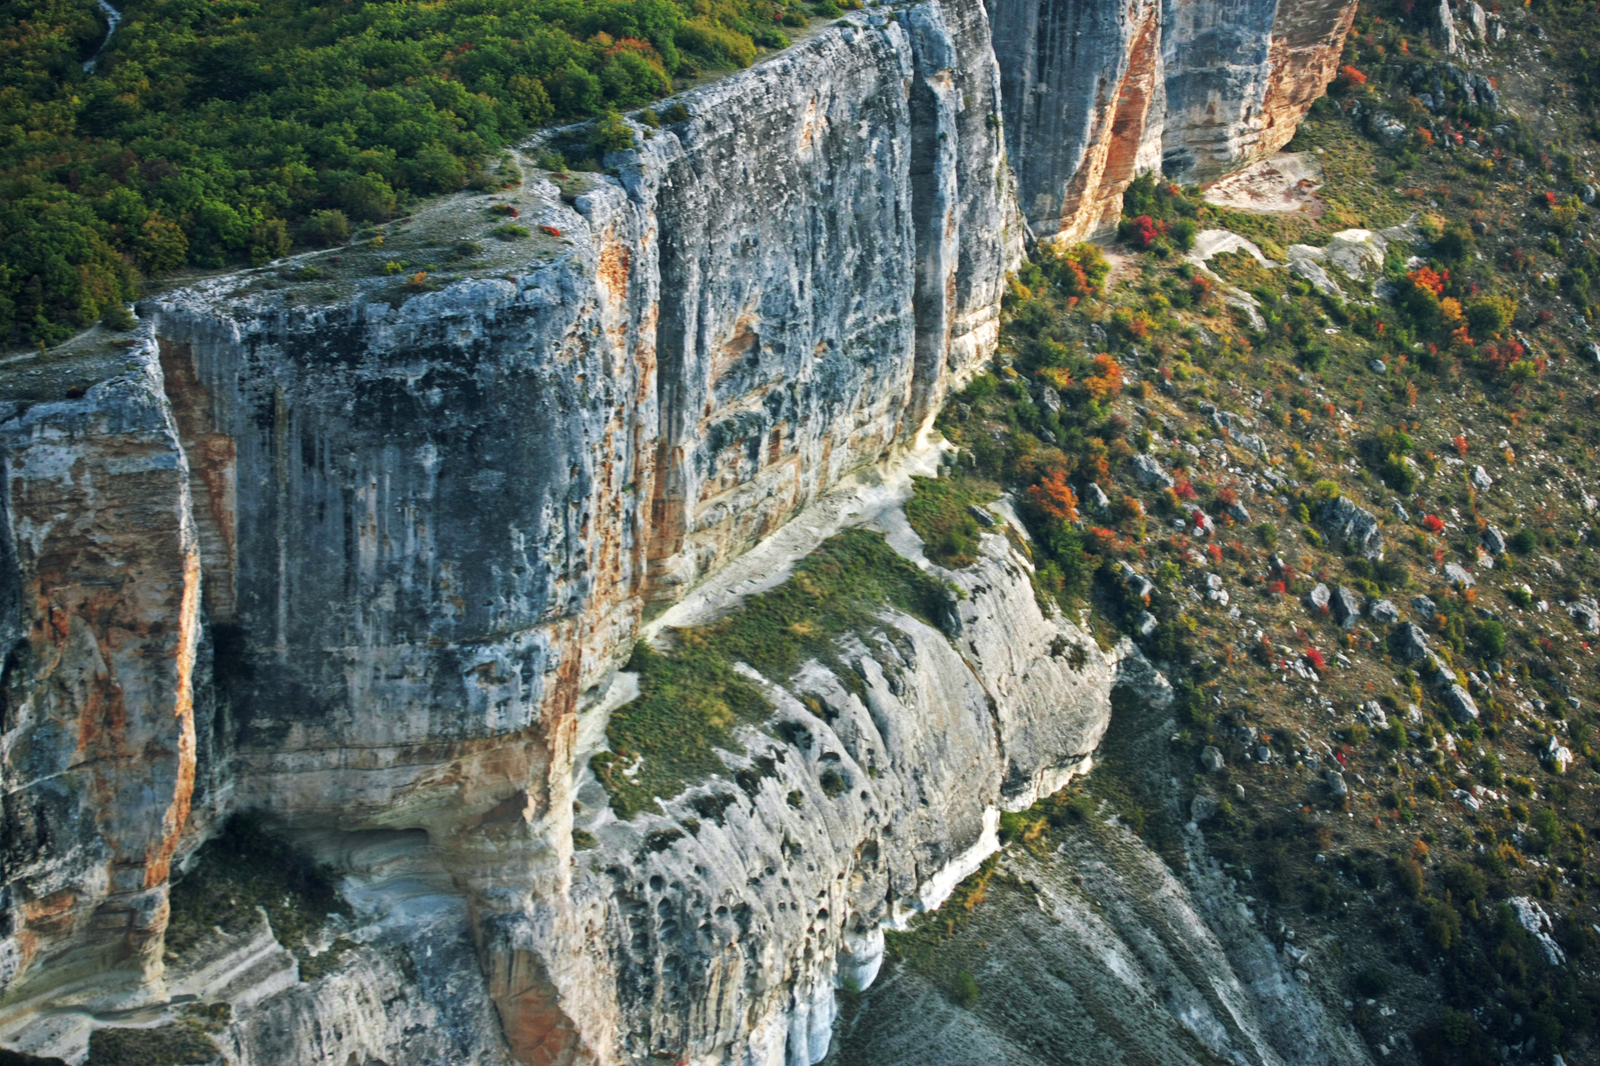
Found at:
[204, 135]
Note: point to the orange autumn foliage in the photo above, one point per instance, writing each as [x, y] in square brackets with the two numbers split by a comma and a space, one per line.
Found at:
[1428, 278]
[1054, 498]
[1106, 381]
[1058, 377]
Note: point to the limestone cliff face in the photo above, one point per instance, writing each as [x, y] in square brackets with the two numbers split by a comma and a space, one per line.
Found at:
[101, 616]
[727, 943]
[364, 560]
[1097, 93]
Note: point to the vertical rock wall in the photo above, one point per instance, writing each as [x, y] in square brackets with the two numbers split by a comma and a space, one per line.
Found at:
[100, 609]
[412, 536]
[1096, 93]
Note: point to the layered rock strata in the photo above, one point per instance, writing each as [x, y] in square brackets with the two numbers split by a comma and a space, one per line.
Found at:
[1097, 93]
[358, 559]
[722, 936]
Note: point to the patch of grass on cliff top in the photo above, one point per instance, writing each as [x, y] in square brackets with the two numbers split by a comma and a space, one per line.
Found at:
[939, 512]
[691, 699]
[244, 868]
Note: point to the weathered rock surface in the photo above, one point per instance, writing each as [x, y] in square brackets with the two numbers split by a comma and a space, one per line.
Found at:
[745, 924]
[1352, 525]
[1096, 93]
[360, 562]
[1096, 952]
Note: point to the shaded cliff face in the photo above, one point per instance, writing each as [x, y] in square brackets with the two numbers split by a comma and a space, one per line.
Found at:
[357, 554]
[102, 621]
[422, 525]
[1096, 94]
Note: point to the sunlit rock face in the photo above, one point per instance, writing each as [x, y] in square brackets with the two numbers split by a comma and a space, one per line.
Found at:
[1097, 93]
[358, 556]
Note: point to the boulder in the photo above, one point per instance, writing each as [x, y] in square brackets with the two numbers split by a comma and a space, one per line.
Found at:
[1263, 754]
[1494, 541]
[1590, 351]
[1211, 759]
[1136, 582]
[1386, 129]
[1478, 20]
[1424, 605]
[1346, 606]
[1302, 264]
[1481, 478]
[1458, 575]
[1253, 442]
[1357, 252]
[1336, 784]
[1461, 704]
[1096, 497]
[1319, 598]
[1408, 643]
[1586, 613]
[1444, 27]
[1355, 526]
[1201, 808]
[1148, 472]
[1050, 399]
[981, 515]
[1147, 623]
[1383, 611]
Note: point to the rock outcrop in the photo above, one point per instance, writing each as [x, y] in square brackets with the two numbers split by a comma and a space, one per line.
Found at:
[1097, 93]
[744, 922]
[361, 558]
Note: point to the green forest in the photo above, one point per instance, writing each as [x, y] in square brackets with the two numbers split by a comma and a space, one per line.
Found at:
[215, 132]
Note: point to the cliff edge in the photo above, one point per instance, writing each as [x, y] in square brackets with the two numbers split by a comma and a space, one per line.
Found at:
[356, 547]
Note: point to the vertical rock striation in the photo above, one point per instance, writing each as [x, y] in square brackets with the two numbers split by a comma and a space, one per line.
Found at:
[1097, 93]
[101, 616]
[358, 562]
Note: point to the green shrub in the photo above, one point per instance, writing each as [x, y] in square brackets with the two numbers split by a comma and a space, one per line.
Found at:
[118, 318]
[1409, 875]
[938, 511]
[1488, 315]
[1443, 927]
[610, 134]
[1490, 638]
[509, 232]
[164, 1045]
[965, 990]
[1372, 982]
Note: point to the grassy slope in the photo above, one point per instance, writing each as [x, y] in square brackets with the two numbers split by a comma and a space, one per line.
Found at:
[1408, 892]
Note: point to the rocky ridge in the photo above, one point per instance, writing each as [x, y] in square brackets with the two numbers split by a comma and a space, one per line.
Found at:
[455, 504]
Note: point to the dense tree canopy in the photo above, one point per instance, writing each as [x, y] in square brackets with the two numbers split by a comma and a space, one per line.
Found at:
[215, 131]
